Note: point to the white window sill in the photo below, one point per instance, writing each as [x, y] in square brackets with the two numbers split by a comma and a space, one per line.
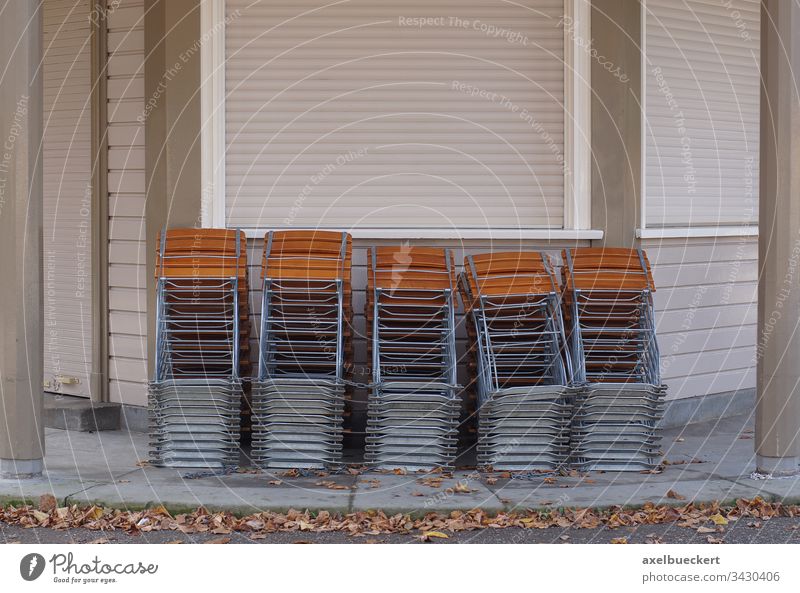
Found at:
[698, 232]
[442, 234]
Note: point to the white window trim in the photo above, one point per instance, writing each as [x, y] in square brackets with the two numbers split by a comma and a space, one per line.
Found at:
[577, 136]
[212, 113]
[577, 115]
[643, 120]
[433, 233]
[697, 232]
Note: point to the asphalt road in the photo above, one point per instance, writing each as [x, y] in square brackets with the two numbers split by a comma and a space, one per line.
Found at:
[779, 530]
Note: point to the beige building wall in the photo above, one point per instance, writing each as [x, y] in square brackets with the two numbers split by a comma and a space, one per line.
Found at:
[126, 187]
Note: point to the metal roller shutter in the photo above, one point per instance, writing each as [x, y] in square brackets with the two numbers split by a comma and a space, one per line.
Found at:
[369, 113]
[67, 197]
[702, 107]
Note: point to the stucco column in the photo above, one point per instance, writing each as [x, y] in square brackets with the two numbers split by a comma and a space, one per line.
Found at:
[778, 377]
[21, 348]
[616, 120]
[173, 39]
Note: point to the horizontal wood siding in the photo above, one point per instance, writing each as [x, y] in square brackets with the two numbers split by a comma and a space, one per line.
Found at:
[126, 186]
[706, 313]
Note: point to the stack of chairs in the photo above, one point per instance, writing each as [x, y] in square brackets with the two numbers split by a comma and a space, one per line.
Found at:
[305, 348]
[413, 406]
[202, 333]
[609, 306]
[520, 368]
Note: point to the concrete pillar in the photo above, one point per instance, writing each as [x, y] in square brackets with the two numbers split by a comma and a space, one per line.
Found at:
[778, 377]
[172, 129]
[616, 121]
[21, 347]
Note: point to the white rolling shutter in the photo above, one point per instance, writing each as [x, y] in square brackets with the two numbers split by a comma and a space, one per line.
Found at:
[702, 107]
[370, 113]
[67, 196]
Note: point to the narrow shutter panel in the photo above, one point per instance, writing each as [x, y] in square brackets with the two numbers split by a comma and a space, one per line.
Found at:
[67, 171]
[355, 114]
[702, 106]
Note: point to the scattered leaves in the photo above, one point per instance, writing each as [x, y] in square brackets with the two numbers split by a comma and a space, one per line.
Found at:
[619, 540]
[703, 518]
[431, 482]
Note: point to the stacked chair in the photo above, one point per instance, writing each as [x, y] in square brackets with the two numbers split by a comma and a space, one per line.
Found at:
[609, 306]
[202, 333]
[298, 400]
[413, 406]
[520, 369]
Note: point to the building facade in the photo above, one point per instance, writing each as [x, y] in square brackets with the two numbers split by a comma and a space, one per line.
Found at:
[534, 124]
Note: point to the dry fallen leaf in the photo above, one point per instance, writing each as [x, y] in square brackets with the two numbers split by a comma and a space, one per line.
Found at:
[491, 481]
[718, 519]
[461, 488]
[219, 540]
[703, 530]
[714, 540]
[674, 495]
[331, 485]
[100, 540]
[417, 494]
[619, 540]
[275, 482]
[47, 502]
[433, 534]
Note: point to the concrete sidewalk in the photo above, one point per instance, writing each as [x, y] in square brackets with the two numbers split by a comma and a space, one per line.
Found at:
[705, 462]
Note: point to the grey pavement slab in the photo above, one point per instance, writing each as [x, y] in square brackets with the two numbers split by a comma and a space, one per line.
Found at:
[240, 493]
[415, 493]
[704, 462]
